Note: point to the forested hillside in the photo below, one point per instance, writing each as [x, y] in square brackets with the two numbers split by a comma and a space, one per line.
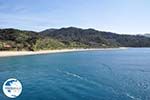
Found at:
[94, 38]
[13, 39]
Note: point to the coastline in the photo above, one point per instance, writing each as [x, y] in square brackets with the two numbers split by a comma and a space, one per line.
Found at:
[23, 53]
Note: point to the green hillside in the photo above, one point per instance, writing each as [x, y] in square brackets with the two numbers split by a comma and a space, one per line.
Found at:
[13, 39]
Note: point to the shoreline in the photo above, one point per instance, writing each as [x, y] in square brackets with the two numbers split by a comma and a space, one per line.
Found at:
[24, 53]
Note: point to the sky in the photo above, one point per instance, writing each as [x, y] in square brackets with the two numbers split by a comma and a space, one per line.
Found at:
[119, 16]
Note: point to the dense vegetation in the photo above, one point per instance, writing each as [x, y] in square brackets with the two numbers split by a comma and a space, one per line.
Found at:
[13, 39]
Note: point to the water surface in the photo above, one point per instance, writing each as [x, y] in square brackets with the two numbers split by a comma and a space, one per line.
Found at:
[89, 75]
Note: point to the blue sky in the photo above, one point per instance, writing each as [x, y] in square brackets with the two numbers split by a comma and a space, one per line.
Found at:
[120, 16]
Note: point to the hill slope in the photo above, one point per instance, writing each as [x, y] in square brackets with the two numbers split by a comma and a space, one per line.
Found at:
[13, 39]
[95, 38]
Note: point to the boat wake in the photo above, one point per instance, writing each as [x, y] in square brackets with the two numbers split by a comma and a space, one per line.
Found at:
[71, 74]
[132, 97]
[88, 81]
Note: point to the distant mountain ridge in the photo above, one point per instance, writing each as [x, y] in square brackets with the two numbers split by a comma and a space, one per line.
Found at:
[147, 35]
[71, 37]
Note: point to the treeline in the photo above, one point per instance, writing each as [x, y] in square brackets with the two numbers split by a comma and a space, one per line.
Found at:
[13, 39]
[94, 38]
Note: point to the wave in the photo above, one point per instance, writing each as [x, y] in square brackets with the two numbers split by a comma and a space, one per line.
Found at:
[107, 66]
[132, 97]
[87, 80]
[144, 85]
[74, 75]
[71, 74]
[139, 70]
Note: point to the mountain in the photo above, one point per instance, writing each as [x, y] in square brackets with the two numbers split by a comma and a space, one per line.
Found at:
[147, 35]
[71, 37]
[87, 37]
[13, 39]
[94, 38]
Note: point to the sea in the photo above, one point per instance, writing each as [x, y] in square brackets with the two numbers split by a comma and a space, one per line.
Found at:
[122, 74]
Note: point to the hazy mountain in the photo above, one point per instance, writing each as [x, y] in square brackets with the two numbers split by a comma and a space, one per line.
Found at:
[147, 35]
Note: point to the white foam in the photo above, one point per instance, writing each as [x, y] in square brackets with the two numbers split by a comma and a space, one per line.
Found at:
[132, 97]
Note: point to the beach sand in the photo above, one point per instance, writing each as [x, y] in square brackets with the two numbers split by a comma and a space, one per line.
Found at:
[22, 53]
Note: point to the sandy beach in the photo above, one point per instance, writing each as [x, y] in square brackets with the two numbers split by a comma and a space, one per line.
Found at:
[22, 53]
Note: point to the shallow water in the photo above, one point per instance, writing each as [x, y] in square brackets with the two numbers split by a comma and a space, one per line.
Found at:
[89, 75]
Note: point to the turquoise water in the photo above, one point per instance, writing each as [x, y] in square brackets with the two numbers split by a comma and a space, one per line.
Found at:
[89, 75]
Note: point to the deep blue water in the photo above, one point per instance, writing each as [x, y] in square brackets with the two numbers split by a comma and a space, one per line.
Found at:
[89, 75]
